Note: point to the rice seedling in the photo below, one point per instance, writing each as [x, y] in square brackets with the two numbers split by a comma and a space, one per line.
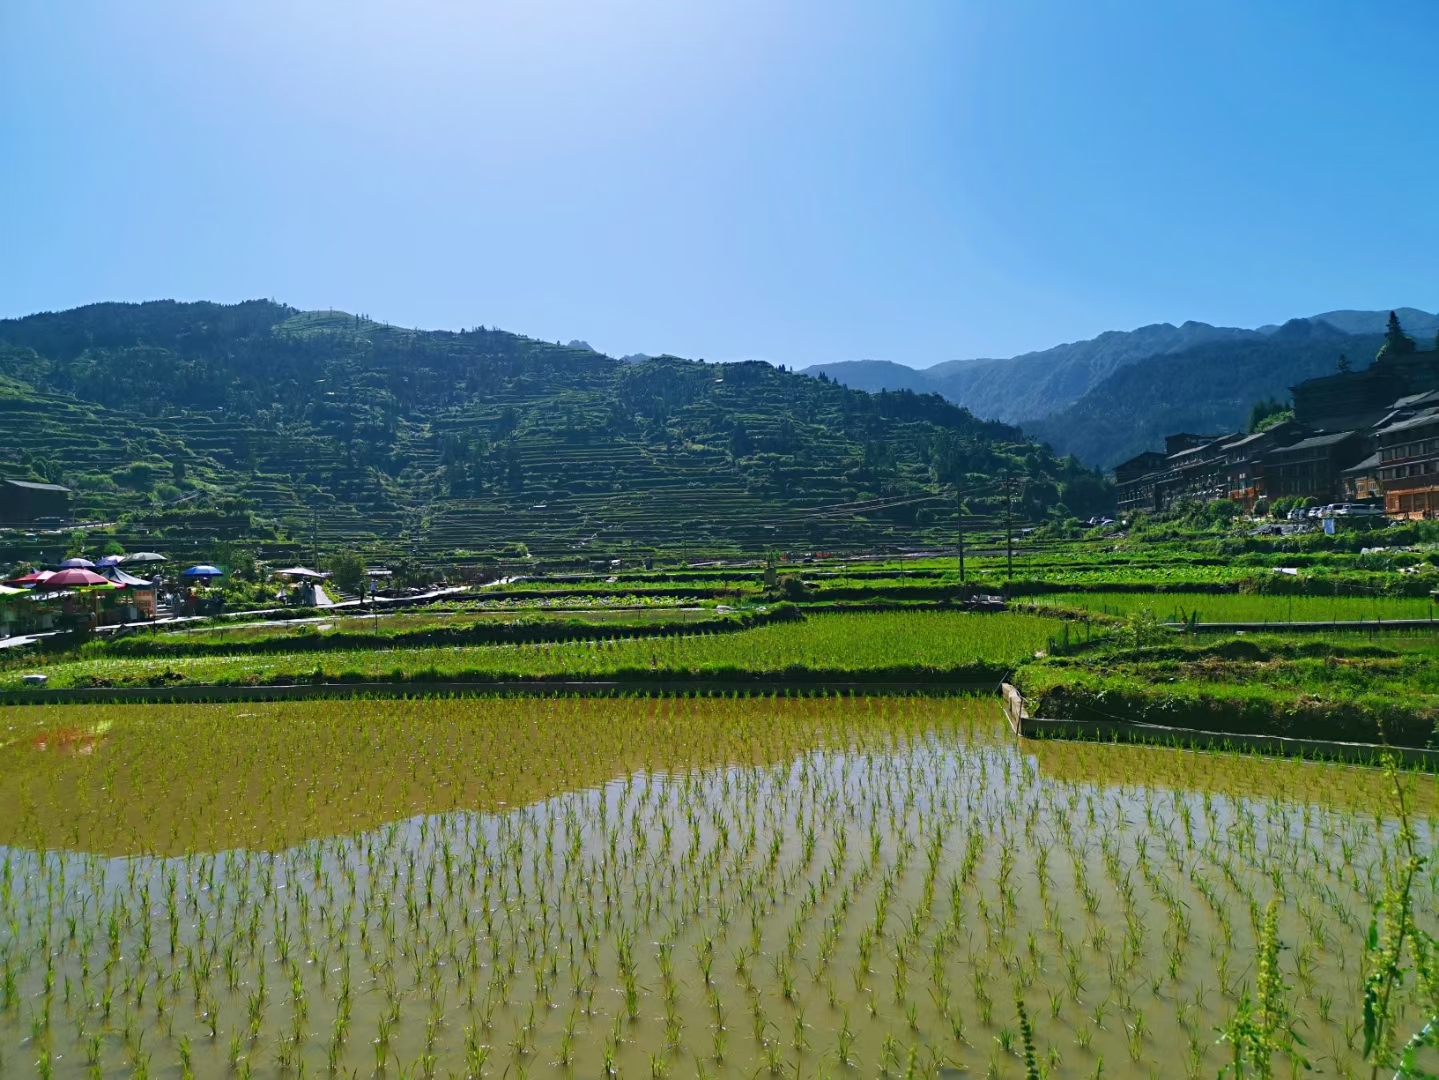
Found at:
[737, 886]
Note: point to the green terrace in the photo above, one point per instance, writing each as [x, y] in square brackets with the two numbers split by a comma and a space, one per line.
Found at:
[953, 646]
[1338, 687]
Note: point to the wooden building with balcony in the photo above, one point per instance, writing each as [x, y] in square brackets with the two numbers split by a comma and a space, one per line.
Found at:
[1409, 465]
[1313, 467]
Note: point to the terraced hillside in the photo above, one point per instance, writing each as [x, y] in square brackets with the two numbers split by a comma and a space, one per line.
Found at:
[445, 444]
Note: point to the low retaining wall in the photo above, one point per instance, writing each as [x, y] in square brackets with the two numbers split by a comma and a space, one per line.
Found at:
[531, 688]
[1033, 727]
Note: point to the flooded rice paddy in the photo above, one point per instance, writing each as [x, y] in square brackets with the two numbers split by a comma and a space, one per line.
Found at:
[666, 887]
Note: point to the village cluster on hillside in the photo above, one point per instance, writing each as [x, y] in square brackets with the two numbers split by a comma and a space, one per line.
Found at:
[1366, 437]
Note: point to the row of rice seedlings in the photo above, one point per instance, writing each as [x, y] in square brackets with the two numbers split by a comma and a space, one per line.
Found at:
[837, 643]
[883, 888]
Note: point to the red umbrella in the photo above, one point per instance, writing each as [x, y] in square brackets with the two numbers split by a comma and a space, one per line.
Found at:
[71, 578]
[34, 577]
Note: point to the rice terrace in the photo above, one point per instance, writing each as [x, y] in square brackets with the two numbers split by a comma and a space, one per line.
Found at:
[943, 582]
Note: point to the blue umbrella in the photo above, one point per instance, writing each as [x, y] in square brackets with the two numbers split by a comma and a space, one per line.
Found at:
[204, 570]
[109, 560]
[72, 564]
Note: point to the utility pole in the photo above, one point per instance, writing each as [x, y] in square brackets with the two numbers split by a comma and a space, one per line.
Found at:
[959, 507]
[1009, 527]
[315, 534]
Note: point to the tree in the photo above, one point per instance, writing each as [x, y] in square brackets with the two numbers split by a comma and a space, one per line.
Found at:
[1396, 341]
[1267, 413]
[242, 565]
[515, 475]
[740, 444]
[786, 438]
[1343, 362]
[347, 570]
[1087, 495]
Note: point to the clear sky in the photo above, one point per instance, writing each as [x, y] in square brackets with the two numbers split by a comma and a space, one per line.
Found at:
[793, 181]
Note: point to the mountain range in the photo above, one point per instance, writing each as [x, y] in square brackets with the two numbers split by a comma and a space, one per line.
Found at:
[1111, 396]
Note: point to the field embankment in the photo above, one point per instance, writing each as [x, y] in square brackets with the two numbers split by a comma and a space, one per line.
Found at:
[1342, 689]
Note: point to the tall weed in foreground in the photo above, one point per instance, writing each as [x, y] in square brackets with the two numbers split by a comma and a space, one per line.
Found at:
[1264, 1026]
[1392, 932]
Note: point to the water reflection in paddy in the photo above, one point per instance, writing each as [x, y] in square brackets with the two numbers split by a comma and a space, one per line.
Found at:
[658, 887]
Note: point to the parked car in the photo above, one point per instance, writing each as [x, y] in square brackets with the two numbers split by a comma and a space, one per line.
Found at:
[1297, 514]
[1357, 510]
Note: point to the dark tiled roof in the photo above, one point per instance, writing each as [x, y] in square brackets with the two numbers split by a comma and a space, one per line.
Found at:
[1428, 416]
[1369, 464]
[1314, 442]
[1247, 439]
[1427, 397]
[32, 486]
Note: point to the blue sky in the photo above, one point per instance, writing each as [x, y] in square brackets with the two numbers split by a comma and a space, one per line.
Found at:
[797, 182]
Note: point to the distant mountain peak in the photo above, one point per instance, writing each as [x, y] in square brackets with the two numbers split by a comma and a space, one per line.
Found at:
[1373, 322]
[1034, 384]
[1307, 330]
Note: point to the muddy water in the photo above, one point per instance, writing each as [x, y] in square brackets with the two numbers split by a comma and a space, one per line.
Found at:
[645, 888]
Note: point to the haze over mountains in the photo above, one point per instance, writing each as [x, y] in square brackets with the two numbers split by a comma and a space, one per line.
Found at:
[1107, 398]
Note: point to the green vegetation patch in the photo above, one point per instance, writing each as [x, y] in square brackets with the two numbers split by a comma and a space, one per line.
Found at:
[893, 645]
[461, 630]
[1339, 689]
[1241, 607]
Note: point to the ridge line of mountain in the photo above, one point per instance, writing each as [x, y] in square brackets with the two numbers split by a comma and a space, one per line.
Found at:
[1072, 395]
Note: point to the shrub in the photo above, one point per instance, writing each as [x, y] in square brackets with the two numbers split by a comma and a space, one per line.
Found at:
[347, 570]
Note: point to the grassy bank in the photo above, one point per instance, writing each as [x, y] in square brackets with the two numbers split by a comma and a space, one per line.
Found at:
[1240, 607]
[1341, 689]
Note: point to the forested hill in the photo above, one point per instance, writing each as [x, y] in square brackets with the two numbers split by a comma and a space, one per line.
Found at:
[440, 443]
[1036, 384]
[1209, 388]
